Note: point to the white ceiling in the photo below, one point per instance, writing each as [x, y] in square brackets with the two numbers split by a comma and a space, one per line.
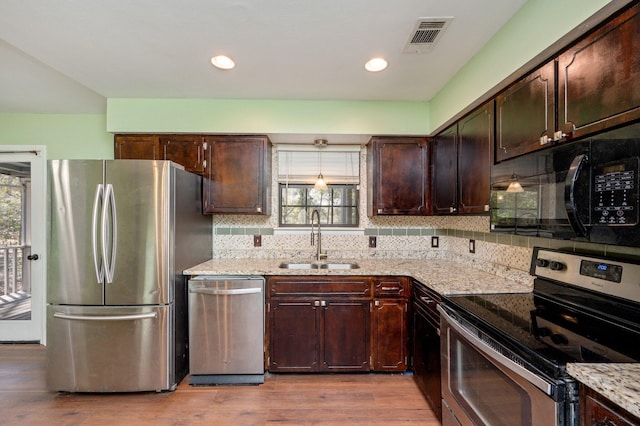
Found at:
[68, 56]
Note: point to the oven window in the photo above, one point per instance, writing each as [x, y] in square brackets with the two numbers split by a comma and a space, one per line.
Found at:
[488, 395]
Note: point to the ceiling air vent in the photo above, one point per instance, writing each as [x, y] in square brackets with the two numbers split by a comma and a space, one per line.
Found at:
[425, 34]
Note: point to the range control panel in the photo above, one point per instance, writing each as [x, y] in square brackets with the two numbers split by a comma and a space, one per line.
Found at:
[605, 275]
[615, 193]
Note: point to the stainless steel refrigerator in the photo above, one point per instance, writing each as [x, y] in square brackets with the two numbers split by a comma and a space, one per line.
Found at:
[120, 234]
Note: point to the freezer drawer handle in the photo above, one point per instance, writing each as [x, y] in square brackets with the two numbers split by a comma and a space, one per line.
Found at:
[105, 317]
[223, 292]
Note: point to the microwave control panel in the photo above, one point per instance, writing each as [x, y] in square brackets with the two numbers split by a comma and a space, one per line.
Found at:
[615, 193]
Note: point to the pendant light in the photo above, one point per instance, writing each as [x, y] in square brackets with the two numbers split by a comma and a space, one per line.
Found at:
[320, 184]
[514, 185]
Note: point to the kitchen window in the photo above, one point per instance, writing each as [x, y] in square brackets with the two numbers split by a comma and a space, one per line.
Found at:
[298, 169]
[338, 205]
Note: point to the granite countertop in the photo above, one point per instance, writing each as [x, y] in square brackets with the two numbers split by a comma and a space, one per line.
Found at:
[443, 276]
[619, 383]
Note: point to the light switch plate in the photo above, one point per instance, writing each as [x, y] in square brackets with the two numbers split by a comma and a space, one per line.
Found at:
[373, 241]
[435, 242]
[472, 246]
[257, 240]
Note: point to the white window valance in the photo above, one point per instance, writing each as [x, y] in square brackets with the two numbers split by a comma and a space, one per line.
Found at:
[339, 164]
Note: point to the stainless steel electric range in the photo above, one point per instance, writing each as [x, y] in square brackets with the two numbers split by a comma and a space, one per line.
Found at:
[505, 355]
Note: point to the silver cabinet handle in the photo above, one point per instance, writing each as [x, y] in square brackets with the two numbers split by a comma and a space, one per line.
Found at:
[216, 291]
[97, 263]
[105, 317]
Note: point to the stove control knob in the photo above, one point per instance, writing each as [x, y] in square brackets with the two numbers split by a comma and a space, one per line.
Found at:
[543, 263]
[556, 266]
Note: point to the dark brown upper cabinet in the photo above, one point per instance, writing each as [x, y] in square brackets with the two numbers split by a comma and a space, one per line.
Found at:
[398, 176]
[186, 150]
[525, 114]
[598, 78]
[475, 142]
[444, 173]
[237, 177]
[461, 160]
[137, 147]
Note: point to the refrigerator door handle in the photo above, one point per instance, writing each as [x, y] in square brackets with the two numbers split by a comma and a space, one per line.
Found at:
[97, 262]
[109, 205]
[105, 317]
[216, 291]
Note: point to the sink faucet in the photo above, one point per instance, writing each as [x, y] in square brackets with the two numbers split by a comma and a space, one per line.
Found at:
[319, 255]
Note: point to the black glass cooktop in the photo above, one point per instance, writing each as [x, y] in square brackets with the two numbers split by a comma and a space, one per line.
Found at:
[547, 333]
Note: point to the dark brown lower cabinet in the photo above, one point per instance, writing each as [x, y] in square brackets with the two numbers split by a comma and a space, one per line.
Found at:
[294, 336]
[319, 335]
[389, 335]
[334, 324]
[596, 410]
[344, 335]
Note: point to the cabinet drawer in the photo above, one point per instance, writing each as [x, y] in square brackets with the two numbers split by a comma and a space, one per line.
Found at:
[327, 287]
[391, 287]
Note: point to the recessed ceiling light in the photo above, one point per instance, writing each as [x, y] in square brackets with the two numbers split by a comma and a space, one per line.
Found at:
[223, 62]
[375, 64]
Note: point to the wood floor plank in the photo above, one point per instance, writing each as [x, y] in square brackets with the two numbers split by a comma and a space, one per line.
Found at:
[284, 399]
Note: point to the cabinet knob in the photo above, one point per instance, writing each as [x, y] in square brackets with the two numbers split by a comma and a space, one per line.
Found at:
[452, 209]
[259, 209]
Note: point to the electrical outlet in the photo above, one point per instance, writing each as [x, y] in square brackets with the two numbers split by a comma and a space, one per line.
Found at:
[472, 246]
[435, 242]
[373, 241]
[257, 240]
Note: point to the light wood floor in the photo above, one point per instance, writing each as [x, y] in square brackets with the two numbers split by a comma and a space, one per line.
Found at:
[284, 399]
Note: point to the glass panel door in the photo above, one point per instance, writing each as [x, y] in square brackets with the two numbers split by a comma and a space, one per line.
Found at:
[22, 228]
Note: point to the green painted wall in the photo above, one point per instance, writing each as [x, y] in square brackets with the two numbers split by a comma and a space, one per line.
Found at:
[66, 136]
[535, 27]
[266, 116]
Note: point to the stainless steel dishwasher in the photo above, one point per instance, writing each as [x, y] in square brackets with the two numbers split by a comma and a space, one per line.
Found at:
[226, 330]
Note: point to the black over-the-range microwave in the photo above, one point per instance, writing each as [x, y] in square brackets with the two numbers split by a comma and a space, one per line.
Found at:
[586, 190]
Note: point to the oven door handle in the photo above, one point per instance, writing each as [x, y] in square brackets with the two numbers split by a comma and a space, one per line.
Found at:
[497, 357]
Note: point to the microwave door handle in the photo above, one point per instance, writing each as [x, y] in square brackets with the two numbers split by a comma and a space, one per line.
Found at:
[98, 264]
[576, 167]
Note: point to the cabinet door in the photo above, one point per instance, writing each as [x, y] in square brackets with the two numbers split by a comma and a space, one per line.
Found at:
[475, 141]
[598, 78]
[293, 335]
[186, 150]
[389, 335]
[444, 171]
[237, 175]
[426, 358]
[398, 176]
[525, 114]
[345, 344]
[136, 147]
[599, 411]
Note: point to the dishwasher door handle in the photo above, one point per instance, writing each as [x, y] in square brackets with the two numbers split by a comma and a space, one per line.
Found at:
[216, 291]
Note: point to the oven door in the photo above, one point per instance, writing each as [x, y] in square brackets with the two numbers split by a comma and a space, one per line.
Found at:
[482, 387]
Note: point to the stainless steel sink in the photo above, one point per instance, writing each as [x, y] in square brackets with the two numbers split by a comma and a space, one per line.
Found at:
[309, 265]
[339, 266]
[298, 265]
